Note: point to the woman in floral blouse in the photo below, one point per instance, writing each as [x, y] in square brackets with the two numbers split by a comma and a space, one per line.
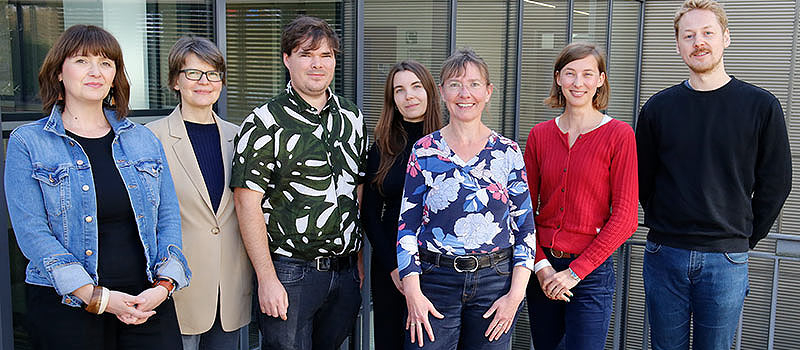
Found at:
[466, 240]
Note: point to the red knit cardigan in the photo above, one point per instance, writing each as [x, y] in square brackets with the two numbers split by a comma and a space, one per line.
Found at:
[588, 194]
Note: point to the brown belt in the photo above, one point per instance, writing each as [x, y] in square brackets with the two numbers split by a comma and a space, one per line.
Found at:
[561, 255]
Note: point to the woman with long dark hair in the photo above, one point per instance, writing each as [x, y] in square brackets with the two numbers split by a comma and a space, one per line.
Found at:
[93, 208]
[411, 110]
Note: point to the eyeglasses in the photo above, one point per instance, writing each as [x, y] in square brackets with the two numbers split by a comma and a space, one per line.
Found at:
[454, 86]
[196, 74]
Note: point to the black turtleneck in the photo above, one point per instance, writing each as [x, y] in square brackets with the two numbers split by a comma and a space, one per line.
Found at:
[381, 209]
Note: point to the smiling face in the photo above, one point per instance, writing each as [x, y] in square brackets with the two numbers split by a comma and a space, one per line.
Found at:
[466, 95]
[701, 41]
[579, 81]
[311, 70]
[197, 93]
[410, 96]
[87, 78]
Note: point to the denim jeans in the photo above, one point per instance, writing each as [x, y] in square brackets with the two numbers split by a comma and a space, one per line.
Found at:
[706, 288]
[580, 324]
[463, 298]
[323, 306]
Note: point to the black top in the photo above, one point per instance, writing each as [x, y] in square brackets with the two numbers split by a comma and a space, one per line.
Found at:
[121, 260]
[714, 166]
[207, 150]
[380, 210]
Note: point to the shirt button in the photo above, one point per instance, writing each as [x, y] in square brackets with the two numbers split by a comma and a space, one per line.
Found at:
[562, 209]
[215, 230]
[85, 187]
[563, 189]
[89, 218]
[79, 162]
[565, 170]
[89, 252]
[72, 143]
[558, 226]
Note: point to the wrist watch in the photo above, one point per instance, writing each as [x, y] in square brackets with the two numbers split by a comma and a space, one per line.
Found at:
[166, 283]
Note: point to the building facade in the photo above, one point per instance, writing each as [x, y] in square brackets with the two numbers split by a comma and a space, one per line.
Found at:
[519, 39]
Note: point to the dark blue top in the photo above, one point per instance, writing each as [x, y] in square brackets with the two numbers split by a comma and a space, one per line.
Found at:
[207, 149]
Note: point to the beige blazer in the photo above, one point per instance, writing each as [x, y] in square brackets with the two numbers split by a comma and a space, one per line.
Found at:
[211, 241]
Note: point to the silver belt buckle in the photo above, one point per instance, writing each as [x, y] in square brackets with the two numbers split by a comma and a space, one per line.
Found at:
[455, 263]
[323, 263]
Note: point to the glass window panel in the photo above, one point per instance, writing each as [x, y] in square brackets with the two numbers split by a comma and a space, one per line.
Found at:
[395, 31]
[622, 59]
[490, 28]
[544, 30]
[255, 63]
[145, 29]
[590, 22]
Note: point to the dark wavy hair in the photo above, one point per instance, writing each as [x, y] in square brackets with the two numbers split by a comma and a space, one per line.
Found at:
[390, 137]
[82, 39]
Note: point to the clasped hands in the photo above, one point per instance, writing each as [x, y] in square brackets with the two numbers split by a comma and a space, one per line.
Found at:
[556, 285]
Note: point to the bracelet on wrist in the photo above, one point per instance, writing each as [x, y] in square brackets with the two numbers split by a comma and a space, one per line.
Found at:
[93, 305]
[574, 275]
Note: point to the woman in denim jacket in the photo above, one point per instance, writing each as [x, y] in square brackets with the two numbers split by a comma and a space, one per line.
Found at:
[92, 204]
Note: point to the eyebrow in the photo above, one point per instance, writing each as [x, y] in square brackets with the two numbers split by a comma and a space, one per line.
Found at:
[412, 83]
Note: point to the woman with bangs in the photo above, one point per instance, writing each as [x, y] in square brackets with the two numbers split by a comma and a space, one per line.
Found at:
[411, 110]
[466, 238]
[582, 172]
[93, 207]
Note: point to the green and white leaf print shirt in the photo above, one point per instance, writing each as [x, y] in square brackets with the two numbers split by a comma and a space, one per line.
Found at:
[308, 164]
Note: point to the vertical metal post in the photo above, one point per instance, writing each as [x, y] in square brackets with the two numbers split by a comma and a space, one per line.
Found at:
[452, 36]
[570, 18]
[637, 83]
[366, 303]
[220, 37]
[773, 305]
[6, 323]
[621, 295]
[518, 69]
[608, 32]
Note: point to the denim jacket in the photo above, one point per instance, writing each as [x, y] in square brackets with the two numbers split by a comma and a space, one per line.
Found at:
[52, 204]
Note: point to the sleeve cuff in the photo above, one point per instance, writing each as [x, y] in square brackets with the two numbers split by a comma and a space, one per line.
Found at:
[540, 265]
[69, 277]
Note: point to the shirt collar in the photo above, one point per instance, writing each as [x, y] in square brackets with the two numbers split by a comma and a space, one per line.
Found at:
[56, 125]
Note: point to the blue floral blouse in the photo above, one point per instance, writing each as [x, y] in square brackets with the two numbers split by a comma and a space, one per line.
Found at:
[455, 207]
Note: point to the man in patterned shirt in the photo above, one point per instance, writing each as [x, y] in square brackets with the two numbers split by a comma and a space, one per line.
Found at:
[299, 161]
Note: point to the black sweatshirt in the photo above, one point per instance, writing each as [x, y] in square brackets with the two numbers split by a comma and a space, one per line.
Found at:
[380, 210]
[714, 166]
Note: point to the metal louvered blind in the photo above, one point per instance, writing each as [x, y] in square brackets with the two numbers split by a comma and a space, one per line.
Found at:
[761, 53]
[490, 28]
[622, 59]
[255, 63]
[166, 23]
[544, 34]
[394, 31]
[589, 22]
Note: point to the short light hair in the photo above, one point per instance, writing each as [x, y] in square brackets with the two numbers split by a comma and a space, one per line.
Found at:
[709, 5]
[456, 65]
[203, 48]
[574, 52]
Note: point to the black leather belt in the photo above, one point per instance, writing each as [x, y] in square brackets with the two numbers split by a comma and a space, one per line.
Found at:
[324, 263]
[465, 263]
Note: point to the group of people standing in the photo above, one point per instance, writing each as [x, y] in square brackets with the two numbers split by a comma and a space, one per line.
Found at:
[113, 216]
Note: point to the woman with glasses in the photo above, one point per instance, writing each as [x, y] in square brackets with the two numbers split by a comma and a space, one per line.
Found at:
[465, 237]
[411, 110]
[93, 208]
[199, 149]
[582, 170]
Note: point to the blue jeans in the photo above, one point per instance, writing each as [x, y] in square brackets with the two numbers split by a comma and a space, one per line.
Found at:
[463, 298]
[323, 306]
[213, 339]
[581, 324]
[682, 285]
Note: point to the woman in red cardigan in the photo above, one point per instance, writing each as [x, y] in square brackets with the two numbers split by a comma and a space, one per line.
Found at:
[582, 169]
